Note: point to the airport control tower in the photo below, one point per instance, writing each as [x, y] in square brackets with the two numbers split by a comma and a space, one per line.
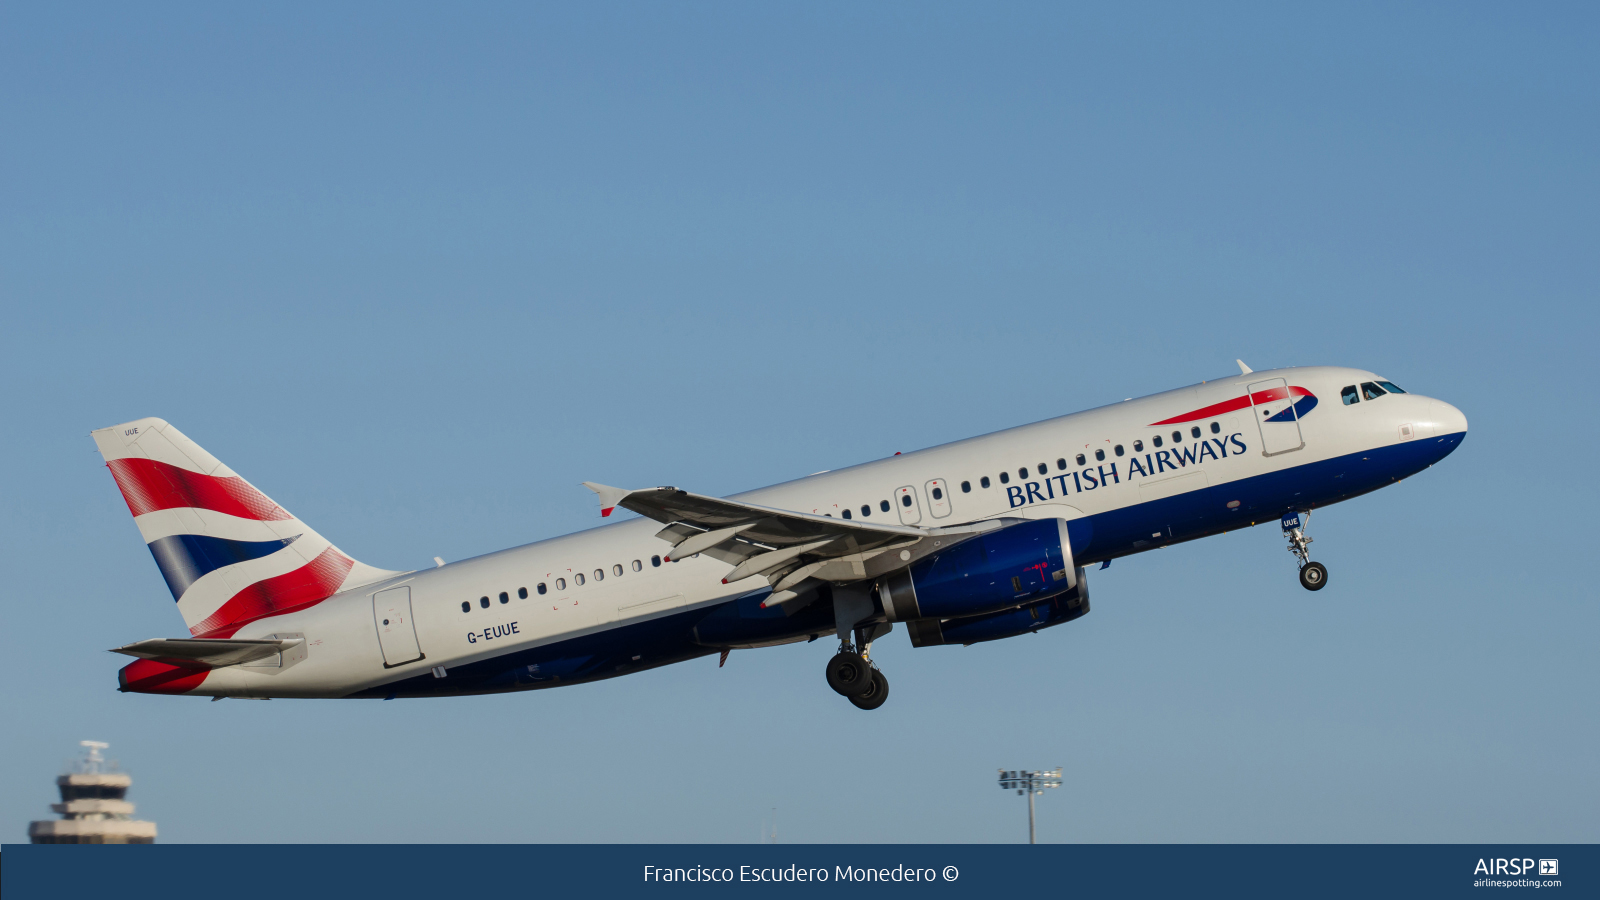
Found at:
[92, 807]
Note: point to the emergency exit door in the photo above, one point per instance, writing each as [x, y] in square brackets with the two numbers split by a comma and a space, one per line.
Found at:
[1276, 417]
[938, 498]
[905, 500]
[391, 613]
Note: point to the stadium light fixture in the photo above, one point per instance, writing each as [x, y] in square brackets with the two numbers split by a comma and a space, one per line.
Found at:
[1030, 783]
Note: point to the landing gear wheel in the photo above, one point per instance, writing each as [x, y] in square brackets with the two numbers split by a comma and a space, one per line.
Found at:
[1313, 576]
[849, 674]
[876, 693]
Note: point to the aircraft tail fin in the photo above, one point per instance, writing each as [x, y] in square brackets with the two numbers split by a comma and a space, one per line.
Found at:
[229, 554]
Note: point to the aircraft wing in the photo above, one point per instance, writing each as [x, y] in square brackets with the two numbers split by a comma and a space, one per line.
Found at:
[787, 547]
[206, 653]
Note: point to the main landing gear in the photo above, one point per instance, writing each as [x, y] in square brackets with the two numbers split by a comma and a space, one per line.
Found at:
[853, 675]
[849, 673]
[1313, 575]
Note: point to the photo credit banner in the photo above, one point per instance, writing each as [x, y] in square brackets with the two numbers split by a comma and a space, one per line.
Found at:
[457, 871]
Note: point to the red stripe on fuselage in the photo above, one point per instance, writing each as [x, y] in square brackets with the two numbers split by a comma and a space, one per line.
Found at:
[306, 586]
[146, 676]
[148, 486]
[1235, 404]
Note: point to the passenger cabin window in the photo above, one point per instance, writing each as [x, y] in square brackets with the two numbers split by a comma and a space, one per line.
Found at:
[966, 487]
[938, 493]
[616, 569]
[1081, 460]
[578, 579]
[505, 597]
[483, 602]
[466, 606]
[984, 481]
[541, 588]
[845, 513]
[1389, 386]
[1100, 455]
[905, 499]
[1156, 440]
[599, 574]
[655, 561]
[1216, 428]
[1194, 432]
[1042, 469]
[884, 504]
[1177, 437]
[1117, 449]
[1061, 463]
[522, 593]
[638, 566]
[1349, 396]
[1371, 391]
[1138, 446]
[1022, 473]
[561, 584]
[1005, 477]
[866, 510]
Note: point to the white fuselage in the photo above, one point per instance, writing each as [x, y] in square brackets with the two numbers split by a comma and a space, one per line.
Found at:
[454, 628]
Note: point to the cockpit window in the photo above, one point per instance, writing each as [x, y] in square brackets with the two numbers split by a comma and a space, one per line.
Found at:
[1370, 390]
[1349, 396]
[1389, 386]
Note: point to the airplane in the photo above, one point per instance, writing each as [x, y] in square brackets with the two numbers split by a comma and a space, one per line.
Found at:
[978, 540]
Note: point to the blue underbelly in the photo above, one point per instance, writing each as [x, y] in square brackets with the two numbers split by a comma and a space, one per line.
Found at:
[1261, 498]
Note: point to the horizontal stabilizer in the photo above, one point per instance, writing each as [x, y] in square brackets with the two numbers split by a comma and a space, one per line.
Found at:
[206, 653]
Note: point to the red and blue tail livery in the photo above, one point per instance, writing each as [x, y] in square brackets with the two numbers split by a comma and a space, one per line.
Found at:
[228, 553]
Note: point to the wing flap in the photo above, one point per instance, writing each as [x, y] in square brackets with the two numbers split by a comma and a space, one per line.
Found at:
[785, 546]
[773, 527]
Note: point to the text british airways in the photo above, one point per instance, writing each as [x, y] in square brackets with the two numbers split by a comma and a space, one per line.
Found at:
[1153, 463]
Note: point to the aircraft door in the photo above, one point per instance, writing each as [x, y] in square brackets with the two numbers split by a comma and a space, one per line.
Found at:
[1276, 417]
[938, 498]
[905, 500]
[397, 635]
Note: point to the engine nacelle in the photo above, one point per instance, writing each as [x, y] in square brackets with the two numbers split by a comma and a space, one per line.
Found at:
[1015, 566]
[1009, 623]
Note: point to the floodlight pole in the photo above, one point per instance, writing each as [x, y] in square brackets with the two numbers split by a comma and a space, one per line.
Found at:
[1030, 783]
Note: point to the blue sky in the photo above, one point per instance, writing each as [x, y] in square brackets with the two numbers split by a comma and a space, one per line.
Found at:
[417, 271]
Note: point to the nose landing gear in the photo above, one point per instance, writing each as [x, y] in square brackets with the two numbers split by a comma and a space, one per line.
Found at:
[1313, 575]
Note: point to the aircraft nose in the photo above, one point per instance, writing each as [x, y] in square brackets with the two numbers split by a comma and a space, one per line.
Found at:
[1447, 419]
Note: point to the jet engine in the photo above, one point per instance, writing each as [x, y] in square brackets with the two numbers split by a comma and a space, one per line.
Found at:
[1063, 607]
[1014, 566]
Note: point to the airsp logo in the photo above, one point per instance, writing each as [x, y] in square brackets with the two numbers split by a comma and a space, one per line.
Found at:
[1515, 867]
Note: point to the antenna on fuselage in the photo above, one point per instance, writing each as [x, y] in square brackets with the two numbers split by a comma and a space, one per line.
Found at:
[1243, 369]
